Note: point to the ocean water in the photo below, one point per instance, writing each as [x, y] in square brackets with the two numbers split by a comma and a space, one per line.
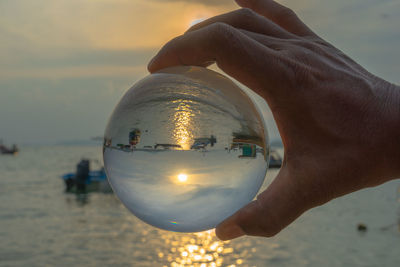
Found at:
[40, 225]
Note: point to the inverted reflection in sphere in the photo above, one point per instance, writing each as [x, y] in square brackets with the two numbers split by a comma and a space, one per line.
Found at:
[185, 148]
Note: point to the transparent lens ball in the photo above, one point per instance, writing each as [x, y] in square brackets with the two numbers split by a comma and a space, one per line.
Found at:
[185, 148]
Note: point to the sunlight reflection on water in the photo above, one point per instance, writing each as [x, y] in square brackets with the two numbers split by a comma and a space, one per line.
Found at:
[41, 226]
[201, 249]
[183, 132]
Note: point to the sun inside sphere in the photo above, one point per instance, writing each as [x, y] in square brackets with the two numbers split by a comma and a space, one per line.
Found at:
[185, 148]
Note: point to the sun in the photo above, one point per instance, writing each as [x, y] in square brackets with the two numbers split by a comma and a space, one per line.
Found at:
[182, 177]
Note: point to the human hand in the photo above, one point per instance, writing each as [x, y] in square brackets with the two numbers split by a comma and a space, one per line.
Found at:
[339, 123]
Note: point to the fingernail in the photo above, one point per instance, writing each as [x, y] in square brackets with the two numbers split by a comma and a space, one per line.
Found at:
[229, 231]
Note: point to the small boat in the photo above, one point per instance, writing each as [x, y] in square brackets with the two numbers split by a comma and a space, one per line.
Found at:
[8, 151]
[275, 160]
[203, 142]
[85, 180]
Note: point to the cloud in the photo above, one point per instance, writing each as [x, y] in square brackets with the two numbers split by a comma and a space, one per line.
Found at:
[59, 38]
[99, 24]
[53, 48]
[62, 64]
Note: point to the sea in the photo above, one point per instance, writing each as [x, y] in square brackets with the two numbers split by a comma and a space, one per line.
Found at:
[41, 225]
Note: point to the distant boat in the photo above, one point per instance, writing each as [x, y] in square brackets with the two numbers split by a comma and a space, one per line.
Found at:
[203, 142]
[275, 160]
[8, 151]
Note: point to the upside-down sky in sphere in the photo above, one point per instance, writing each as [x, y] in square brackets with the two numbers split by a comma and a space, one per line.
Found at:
[65, 64]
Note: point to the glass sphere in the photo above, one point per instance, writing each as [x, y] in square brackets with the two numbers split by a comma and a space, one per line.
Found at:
[185, 148]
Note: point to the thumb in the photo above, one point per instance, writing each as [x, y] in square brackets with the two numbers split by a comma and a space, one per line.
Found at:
[275, 208]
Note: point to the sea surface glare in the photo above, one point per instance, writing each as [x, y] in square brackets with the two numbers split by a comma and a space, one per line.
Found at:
[185, 148]
[40, 225]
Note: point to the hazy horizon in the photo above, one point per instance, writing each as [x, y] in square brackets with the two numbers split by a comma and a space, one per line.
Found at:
[65, 64]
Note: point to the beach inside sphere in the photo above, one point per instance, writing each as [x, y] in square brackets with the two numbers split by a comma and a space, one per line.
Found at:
[185, 148]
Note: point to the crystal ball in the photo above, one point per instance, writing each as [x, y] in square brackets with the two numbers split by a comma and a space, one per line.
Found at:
[185, 148]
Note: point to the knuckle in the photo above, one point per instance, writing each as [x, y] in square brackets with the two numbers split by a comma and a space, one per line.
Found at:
[286, 12]
[221, 32]
[303, 76]
[219, 27]
[246, 12]
[308, 44]
[305, 44]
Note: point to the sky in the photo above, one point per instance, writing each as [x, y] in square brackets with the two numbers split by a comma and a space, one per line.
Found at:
[65, 64]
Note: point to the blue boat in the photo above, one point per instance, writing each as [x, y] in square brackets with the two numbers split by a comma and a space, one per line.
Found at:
[94, 176]
[84, 180]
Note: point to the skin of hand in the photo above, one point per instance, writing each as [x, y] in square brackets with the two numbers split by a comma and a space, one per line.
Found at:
[340, 125]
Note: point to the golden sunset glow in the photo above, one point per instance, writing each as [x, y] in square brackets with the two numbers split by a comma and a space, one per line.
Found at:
[182, 177]
[198, 249]
[106, 26]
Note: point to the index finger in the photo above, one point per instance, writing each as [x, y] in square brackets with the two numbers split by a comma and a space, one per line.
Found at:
[235, 53]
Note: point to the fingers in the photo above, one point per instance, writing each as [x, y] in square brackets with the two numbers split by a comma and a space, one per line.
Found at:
[279, 14]
[274, 209]
[274, 43]
[248, 20]
[234, 52]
